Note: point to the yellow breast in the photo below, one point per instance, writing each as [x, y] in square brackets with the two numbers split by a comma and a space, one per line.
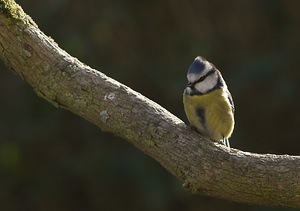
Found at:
[211, 114]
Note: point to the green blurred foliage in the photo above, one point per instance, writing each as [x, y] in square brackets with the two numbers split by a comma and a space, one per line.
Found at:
[52, 160]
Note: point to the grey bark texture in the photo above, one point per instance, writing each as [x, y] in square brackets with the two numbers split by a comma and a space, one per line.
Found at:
[202, 166]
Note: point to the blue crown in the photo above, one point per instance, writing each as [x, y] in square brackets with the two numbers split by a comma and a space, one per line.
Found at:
[197, 66]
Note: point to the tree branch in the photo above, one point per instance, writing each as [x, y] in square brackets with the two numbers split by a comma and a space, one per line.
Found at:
[202, 166]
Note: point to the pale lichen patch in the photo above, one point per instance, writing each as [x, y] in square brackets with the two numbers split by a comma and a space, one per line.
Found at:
[15, 11]
[110, 96]
[26, 53]
[150, 143]
[104, 116]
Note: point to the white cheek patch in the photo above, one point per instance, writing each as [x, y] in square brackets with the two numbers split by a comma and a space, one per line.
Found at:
[207, 84]
[188, 90]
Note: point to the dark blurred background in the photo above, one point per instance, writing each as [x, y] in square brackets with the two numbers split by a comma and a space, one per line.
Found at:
[51, 159]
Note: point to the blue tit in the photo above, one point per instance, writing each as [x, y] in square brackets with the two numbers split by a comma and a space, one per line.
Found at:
[208, 103]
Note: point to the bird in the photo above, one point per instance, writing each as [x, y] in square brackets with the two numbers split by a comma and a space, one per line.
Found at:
[208, 104]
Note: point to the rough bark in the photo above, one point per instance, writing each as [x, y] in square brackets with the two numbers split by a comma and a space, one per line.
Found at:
[202, 166]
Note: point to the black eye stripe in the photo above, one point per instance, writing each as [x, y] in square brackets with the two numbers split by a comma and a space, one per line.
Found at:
[206, 75]
[220, 83]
